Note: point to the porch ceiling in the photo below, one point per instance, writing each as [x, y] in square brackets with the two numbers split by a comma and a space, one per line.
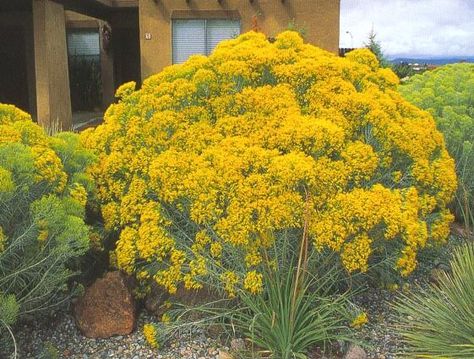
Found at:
[102, 3]
[97, 8]
[16, 5]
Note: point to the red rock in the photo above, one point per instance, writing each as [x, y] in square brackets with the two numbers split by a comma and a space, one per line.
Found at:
[107, 307]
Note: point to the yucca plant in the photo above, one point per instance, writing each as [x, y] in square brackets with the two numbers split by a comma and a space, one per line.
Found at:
[438, 322]
[297, 310]
[287, 321]
[301, 305]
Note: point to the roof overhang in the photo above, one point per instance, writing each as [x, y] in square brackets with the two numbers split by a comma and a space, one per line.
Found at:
[97, 8]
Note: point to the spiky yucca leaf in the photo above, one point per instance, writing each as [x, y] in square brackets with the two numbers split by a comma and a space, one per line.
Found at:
[439, 321]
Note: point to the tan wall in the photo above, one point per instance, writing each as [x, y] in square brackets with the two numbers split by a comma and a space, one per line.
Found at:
[320, 18]
[51, 64]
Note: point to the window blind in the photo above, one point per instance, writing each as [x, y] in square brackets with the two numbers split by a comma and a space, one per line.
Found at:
[83, 43]
[219, 30]
[192, 37]
[189, 38]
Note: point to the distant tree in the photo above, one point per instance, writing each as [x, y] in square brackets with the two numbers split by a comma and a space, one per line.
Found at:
[374, 46]
[403, 70]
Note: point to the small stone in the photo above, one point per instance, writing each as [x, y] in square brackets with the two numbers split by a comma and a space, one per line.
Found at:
[237, 344]
[355, 352]
[224, 355]
[211, 351]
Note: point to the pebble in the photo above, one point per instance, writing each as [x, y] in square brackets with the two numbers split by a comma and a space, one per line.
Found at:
[63, 335]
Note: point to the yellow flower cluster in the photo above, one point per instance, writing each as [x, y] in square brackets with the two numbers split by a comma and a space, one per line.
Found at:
[34, 165]
[226, 151]
[3, 239]
[253, 282]
[78, 193]
[16, 127]
[49, 167]
[149, 332]
[360, 320]
[230, 280]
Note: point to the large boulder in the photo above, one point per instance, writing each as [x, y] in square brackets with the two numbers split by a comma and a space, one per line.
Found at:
[107, 307]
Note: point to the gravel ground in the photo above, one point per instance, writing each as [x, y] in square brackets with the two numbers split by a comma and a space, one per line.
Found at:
[380, 341]
[63, 335]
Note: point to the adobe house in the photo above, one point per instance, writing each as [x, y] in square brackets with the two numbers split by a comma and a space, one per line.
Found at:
[43, 43]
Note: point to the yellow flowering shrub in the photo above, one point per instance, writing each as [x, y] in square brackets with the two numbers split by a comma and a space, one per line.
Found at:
[222, 153]
[43, 192]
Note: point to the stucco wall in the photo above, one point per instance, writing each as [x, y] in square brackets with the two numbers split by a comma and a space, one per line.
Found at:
[51, 64]
[320, 19]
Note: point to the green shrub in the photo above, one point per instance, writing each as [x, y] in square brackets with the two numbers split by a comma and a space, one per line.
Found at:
[43, 193]
[448, 94]
[439, 321]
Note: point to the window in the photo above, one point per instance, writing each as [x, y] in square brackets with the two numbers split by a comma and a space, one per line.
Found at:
[200, 36]
[83, 43]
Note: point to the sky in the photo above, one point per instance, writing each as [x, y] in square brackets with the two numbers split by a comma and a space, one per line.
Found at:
[410, 28]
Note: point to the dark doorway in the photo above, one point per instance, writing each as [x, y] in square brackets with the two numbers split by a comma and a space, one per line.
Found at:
[84, 69]
[126, 47]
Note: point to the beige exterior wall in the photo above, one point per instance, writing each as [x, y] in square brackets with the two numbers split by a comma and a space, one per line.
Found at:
[320, 19]
[51, 65]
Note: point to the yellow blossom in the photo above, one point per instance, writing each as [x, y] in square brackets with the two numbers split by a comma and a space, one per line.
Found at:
[253, 282]
[165, 318]
[79, 193]
[360, 320]
[150, 333]
[3, 239]
[230, 280]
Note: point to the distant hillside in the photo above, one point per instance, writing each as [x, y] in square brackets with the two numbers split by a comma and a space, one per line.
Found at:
[433, 61]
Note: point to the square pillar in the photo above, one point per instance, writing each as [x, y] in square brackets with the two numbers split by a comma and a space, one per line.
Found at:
[53, 98]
